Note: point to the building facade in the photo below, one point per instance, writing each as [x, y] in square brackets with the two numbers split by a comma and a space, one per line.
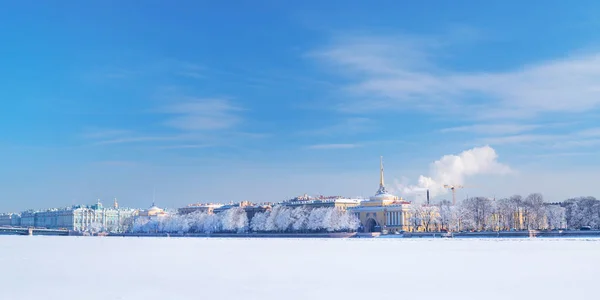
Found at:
[80, 218]
[322, 201]
[10, 219]
[250, 209]
[97, 218]
[28, 218]
[383, 212]
[207, 208]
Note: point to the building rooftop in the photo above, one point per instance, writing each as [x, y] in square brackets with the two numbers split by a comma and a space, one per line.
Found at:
[205, 205]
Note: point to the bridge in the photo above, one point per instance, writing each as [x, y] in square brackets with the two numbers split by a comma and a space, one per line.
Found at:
[32, 231]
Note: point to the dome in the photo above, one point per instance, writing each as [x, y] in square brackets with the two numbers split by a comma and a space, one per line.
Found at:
[154, 208]
[153, 211]
[384, 196]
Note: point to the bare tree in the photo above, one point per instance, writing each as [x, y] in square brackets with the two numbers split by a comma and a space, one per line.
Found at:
[478, 210]
[506, 214]
[429, 216]
[534, 211]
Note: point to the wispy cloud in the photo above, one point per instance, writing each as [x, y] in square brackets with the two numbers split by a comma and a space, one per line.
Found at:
[520, 139]
[564, 154]
[401, 73]
[185, 123]
[571, 139]
[98, 133]
[577, 143]
[191, 74]
[198, 114]
[346, 126]
[116, 73]
[186, 146]
[99, 137]
[117, 163]
[139, 139]
[333, 146]
[493, 128]
[590, 132]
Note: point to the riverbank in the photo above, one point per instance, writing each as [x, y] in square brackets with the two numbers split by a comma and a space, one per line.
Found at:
[487, 234]
[500, 234]
[241, 235]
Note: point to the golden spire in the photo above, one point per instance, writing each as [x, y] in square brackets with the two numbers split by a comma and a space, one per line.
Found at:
[381, 171]
[381, 189]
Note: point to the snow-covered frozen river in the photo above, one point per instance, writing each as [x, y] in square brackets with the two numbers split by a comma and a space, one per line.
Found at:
[106, 268]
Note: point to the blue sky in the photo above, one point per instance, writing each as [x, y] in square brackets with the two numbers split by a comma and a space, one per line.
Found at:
[263, 100]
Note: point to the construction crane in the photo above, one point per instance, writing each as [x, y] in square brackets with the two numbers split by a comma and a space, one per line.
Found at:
[453, 189]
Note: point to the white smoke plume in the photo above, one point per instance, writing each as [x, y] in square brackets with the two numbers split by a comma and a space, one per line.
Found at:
[454, 169]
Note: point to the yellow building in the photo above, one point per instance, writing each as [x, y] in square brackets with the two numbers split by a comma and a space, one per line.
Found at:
[383, 212]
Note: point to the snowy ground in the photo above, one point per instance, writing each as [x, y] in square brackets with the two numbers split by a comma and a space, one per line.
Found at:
[106, 268]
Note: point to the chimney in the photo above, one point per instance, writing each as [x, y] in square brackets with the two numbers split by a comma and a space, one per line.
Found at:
[427, 196]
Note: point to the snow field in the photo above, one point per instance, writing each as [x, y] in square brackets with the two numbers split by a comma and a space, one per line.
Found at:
[106, 268]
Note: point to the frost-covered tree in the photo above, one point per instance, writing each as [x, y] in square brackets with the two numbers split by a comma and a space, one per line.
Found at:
[95, 227]
[555, 216]
[414, 217]
[582, 211]
[283, 219]
[316, 219]
[259, 221]
[279, 219]
[507, 211]
[234, 220]
[534, 214]
[455, 218]
[303, 219]
[476, 213]
[445, 214]
[212, 223]
[270, 223]
[429, 216]
[299, 218]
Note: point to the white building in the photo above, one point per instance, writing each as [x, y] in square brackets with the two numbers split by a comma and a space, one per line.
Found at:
[199, 207]
[323, 201]
[81, 218]
[28, 218]
[10, 219]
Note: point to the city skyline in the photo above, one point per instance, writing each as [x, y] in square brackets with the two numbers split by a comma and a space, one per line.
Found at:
[269, 101]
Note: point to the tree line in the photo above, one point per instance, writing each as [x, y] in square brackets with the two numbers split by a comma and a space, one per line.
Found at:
[235, 220]
[472, 214]
[512, 213]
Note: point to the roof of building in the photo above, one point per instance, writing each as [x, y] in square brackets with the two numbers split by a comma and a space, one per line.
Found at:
[155, 208]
